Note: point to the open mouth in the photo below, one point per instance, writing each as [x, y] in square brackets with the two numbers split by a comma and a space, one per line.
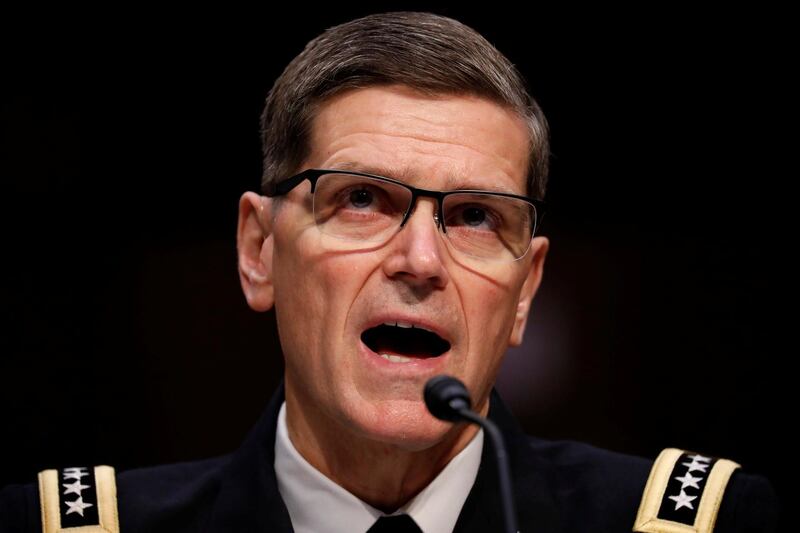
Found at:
[401, 343]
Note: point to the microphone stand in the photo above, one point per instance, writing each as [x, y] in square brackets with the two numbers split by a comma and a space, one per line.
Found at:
[503, 470]
[447, 399]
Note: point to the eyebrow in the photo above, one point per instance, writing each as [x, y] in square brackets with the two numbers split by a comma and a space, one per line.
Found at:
[405, 174]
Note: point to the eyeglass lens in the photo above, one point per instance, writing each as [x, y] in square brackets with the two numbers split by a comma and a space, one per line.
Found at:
[359, 209]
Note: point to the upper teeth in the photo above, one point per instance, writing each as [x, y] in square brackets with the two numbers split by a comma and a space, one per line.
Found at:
[404, 325]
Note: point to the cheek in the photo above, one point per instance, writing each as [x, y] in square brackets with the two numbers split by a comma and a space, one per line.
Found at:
[490, 301]
[490, 309]
[490, 316]
[314, 292]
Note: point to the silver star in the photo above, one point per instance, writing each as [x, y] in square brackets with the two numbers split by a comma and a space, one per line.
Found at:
[699, 458]
[77, 506]
[74, 473]
[683, 500]
[74, 488]
[695, 466]
[689, 481]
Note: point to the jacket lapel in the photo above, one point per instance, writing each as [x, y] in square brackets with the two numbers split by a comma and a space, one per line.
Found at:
[249, 500]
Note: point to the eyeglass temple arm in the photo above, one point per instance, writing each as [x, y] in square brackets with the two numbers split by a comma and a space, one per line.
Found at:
[283, 187]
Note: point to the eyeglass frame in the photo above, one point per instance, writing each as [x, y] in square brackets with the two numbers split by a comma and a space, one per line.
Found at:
[313, 174]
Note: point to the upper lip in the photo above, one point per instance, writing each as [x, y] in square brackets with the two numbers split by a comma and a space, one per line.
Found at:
[405, 319]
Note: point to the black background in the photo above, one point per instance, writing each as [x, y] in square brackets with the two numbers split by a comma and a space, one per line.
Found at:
[128, 137]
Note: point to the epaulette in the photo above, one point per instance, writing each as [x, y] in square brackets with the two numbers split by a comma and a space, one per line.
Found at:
[683, 493]
[79, 500]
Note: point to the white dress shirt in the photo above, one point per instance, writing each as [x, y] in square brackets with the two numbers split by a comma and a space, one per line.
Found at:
[317, 504]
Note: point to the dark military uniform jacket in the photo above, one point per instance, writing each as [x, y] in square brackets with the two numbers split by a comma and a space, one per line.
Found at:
[559, 487]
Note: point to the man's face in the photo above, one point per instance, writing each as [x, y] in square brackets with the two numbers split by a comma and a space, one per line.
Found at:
[325, 299]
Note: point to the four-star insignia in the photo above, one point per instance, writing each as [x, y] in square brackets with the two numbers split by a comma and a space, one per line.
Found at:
[696, 463]
[78, 483]
[684, 489]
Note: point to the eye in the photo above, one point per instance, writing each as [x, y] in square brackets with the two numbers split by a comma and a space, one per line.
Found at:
[361, 198]
[472, 216]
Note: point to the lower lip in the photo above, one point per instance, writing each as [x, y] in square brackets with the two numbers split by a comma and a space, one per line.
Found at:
[414, 367]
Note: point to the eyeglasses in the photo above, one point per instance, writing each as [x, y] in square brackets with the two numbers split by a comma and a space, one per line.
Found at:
[362, 210]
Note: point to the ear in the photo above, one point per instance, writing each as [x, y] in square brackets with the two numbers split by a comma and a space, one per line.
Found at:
[538, 249]
[254, 246]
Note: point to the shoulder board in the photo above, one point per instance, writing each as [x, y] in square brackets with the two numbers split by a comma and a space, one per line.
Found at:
[683, 493]
[79, 499]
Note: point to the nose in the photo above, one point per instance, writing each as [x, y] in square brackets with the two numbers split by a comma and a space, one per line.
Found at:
[417, 249]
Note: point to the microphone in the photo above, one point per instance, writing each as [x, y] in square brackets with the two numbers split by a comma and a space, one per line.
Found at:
[448, 399]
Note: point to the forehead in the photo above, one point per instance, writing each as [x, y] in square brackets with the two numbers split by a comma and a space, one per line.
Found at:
[456, 141]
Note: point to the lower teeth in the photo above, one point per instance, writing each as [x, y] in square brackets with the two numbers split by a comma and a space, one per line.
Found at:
[395, 358]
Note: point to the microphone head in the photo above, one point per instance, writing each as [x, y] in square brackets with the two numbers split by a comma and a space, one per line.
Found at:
[445, 396]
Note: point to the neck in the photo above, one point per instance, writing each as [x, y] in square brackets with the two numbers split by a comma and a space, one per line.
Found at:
[383, 474]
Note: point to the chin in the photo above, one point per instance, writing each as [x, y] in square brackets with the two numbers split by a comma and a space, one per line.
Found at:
[402, 423]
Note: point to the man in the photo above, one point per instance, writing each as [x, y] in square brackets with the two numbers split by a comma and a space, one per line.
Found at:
[404, 164]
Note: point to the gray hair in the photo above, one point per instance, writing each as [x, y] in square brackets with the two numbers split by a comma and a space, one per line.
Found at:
[432, 54]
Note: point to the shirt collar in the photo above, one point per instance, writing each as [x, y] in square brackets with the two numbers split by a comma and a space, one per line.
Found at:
[315, 503]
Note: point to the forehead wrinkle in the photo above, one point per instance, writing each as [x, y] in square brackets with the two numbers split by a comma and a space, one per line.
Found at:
[399, 173]
[453, 180]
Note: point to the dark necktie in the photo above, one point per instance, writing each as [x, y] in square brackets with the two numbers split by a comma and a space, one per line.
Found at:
[401, 523]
